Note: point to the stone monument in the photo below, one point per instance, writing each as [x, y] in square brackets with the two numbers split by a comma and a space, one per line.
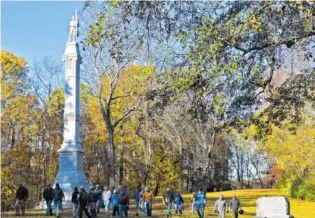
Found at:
[70, 172]
[273, 207]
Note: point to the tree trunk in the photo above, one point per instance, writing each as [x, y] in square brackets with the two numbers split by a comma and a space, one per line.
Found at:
[111, 157]
[121, 167]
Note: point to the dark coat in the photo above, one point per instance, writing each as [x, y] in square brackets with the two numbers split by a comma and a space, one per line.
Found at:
[84, 199]
[235, 204]
[74, 198]
[48, 194]
[22, 193]
[58, 194]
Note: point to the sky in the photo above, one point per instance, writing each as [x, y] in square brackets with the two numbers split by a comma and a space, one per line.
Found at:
[36, 29]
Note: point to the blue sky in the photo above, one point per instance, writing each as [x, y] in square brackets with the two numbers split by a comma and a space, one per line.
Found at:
[36, 29]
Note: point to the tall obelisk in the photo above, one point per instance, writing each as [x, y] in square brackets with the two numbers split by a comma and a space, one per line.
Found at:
[70, 172]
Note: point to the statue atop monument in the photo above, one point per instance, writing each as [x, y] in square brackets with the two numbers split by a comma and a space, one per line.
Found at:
[74, 25]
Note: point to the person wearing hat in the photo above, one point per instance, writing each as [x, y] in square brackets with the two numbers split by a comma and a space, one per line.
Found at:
[57, 196]
[48, 196]
[234, 206]
[168, 199]
[21, 196]
[83, 201]
[75, 201]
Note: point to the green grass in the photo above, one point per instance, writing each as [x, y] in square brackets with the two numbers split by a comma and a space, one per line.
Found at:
[299, 208]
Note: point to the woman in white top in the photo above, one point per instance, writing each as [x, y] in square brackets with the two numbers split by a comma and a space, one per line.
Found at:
[106, 195]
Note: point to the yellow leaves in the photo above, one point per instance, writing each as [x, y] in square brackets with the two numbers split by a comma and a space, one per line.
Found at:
[293, 151]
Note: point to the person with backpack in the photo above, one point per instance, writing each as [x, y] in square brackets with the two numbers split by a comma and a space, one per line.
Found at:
[168, 199]
[123, 202]
[57, 196]
[75, 201]
[106, 195]
[48, 196]
[94, 198]
[83, 201]
[200, 202]
[21, 196]
[114, 201]
[149, 201]
[137, 200]
[178, 200]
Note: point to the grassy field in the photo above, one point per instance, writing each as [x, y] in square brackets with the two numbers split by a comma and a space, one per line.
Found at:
[299, 209]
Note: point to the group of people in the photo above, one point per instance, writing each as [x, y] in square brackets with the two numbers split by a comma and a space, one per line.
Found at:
[90, 202]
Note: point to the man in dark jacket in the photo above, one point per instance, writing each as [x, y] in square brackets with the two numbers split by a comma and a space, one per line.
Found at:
[94, 198]
[75, 201]
[234, 205]
[84, 201]
[48, 196]
[21, 196]
[57, 196]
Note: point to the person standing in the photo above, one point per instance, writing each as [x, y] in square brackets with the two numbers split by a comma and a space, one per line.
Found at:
[83, 201]
[143, 206]
[234, 206]
[99, 192]
[123, 202]
[94, 197]
[57, 196]
[220, 206]
[48, 196]
[200, 203]
[114, 201]
[192, 200]
[178, 200]
[137, 200]
[75, 201]
[149, 199]
[20, 199]
[168, 199]
[106, 195]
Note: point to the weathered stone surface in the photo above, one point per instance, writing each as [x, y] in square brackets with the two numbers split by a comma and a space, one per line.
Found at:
[273, 207]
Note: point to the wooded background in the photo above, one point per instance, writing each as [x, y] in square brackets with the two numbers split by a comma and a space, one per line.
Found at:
[218, 95]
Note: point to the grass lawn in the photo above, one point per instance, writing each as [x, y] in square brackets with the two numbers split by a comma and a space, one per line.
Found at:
[299, 209]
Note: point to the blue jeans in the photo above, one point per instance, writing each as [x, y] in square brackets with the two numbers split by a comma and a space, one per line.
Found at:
[144, 208]
[48, 209]
[200, 209]
[137, 205]
[169, 208]
[178, 207]
[57, 207]
[106, 207]
[122, 209]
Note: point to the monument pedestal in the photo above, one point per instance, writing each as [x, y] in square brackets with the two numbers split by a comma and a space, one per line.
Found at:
[71, 174]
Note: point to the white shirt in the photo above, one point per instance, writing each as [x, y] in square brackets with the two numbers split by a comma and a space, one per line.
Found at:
[106, 195]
